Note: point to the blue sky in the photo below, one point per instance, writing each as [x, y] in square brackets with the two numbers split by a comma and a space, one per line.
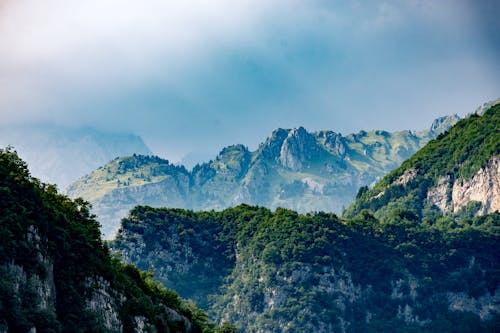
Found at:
[194, 76]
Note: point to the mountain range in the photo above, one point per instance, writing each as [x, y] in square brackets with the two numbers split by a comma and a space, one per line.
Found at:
[293, 168]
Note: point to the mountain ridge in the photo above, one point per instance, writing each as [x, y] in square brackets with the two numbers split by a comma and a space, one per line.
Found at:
[292, 168]
[466, 170]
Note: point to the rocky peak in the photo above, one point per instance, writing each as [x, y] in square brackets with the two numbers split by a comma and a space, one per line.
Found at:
[230, 151]
[298, 147]
[233, 159]
[442, 124]
[271, 147]
[485, 106]
[334, 142]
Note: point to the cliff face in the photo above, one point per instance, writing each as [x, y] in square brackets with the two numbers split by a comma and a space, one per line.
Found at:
[483, 187]
[58, 276]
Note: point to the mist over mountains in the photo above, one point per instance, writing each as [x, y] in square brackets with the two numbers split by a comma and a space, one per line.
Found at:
[60, 155]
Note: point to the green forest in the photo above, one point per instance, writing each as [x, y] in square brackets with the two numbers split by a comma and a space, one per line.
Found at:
[247, 251]
[52, 238]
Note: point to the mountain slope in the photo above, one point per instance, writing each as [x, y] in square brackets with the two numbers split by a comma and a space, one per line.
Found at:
[58, 276]
[293, 168]
[408, 268]
[458, 171]
[285, 272]
[60, 155]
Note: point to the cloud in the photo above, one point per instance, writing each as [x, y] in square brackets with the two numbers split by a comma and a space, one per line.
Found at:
[196, 75]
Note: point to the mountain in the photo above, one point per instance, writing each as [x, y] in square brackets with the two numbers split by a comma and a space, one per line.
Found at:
[61, 155]
[392, 264]
[293, 168]
[458, 173]
[58, 276]
[286, 272]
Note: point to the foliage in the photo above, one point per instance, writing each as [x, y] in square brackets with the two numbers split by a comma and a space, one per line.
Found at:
[268, 268]
[455, 155]
[44, 236]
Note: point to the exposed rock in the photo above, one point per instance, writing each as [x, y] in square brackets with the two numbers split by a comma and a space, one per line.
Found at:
[484, 187]
[105, 302]
[297, 149]
[439, 195]
[409, 284]
[406, 177]
[485, 106]
[486, 306]
[313, 185]
[444, 123]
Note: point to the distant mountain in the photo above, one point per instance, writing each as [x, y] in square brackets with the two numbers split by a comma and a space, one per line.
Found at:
[56, 274]
[457, 173]
[293, 168]
[60, 155]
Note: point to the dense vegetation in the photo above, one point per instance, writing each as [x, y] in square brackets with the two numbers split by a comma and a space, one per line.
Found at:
[53, 262]
[293, 168]
[287, 272]
[451, 157]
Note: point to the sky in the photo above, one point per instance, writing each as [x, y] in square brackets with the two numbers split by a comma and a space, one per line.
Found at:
[193, 76]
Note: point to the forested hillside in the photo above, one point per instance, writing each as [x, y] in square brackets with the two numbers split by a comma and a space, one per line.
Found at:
[58, 276]
[458, 173]
[286, 272]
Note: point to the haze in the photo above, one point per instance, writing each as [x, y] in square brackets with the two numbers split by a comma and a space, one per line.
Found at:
[193, 76]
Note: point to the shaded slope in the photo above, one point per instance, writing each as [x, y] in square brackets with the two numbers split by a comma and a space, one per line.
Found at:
[286, 272]
[58, 276]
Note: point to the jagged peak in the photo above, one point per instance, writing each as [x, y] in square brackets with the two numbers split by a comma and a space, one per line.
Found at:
[321, 134]
[442, 124]
[480, 110]
[233, 148]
